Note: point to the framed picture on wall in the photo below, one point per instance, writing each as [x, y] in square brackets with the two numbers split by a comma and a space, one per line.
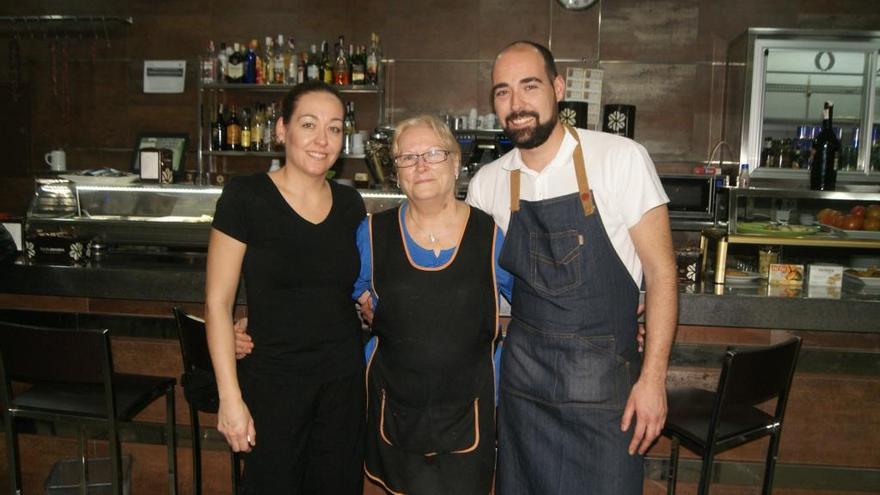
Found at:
[176, 142]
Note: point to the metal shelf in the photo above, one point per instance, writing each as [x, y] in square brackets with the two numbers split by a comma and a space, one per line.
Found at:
[283, 88]
[269, 154]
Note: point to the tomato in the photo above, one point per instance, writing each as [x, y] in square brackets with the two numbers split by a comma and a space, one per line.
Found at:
[871, 224]
[852, 222]
[858, 211]
[837, 220]
[826, 216]
[873, 211]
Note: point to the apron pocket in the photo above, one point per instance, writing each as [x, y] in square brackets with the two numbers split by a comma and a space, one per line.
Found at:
[565, 369]
[555, 261]
[441, 429]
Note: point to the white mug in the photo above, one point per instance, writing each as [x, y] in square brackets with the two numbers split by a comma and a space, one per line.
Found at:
[57, 160]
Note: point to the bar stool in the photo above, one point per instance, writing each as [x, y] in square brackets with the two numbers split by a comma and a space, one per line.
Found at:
[199, 388]
[71, 378]
[709, 423]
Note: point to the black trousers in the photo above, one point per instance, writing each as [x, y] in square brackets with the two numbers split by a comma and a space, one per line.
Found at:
[310, 437]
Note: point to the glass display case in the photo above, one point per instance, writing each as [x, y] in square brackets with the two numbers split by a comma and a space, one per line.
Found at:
[767, 217]
[122, 214]
[777, 83]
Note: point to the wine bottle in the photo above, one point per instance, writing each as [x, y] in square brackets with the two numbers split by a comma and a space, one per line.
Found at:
[358, 67]
[824, 154]
[314, 67]
[326, 65]
[218, 131]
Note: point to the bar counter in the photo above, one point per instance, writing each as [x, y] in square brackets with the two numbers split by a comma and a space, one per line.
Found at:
[181, 278]
[829, 440]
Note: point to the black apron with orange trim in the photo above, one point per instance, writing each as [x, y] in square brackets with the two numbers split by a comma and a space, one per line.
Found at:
[430, 381]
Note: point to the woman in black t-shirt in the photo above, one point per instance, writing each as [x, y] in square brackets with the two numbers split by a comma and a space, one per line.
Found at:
[292, 234]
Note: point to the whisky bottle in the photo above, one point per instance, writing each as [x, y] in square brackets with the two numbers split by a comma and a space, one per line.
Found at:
[235, 65]
[245, 130]
[233, 131]
[374, 58]
[268, 62]
[292, 63]
[340, 67]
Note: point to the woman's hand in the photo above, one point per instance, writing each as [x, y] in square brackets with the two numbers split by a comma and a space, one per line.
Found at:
[234, 421]
[365, 307]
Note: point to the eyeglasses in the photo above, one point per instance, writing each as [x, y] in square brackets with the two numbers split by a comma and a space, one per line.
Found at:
[431, 157]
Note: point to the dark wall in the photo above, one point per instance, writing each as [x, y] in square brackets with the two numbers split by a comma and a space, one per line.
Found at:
[664, 56]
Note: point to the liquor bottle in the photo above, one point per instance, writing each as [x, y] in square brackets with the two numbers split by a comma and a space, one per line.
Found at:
[301, 67]
[245, 130]
[209, 65]
[222, 62]
[326, 65]
[313, 70]
[280, 60]
[218, 131]
[250, 63]
[235, 66]
[348, 128]
[233, 131]
[268, 62]
[767, 152]
[823, 156]
[292, 62]
[340, 67]
[374, 57]
[359, 67]
[269, 129]
[257, 130]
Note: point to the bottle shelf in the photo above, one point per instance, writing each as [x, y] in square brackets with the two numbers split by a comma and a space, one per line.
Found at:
[269, 154]
[283, 88]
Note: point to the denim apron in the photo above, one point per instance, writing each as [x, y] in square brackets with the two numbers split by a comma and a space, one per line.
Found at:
[570, 357]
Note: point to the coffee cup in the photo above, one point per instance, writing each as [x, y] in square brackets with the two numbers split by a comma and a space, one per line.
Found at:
[56, 160]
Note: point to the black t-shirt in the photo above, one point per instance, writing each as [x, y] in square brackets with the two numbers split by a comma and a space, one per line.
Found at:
[298, 279]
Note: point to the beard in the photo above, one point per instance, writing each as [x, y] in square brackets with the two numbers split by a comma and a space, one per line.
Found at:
[530, 137]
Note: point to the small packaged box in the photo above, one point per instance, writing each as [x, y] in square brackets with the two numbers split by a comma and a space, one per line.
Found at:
[786, 274]
[820, 274]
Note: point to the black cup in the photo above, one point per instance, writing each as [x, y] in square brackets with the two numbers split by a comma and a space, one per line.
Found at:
[619, 119]
[573, 113]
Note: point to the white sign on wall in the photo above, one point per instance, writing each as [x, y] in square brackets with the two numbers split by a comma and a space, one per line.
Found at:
[164, 76]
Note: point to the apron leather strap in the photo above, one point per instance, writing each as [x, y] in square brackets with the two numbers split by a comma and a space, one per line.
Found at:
[514, 190]
[580, 171]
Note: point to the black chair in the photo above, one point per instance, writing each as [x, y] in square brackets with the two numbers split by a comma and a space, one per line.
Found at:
[709, 423]
[199, 388]
[70, 378]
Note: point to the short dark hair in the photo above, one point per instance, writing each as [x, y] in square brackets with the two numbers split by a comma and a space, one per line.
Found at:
[549, 62]
[288, 106]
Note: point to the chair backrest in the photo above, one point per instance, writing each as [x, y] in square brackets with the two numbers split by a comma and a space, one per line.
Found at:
[193, 341]
[753, 376]
[42, 354]
[199, 384]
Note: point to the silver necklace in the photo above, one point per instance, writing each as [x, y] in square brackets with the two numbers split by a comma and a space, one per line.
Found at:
[431, 237]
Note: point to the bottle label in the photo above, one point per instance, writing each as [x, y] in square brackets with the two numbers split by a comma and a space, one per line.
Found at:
[235, 71]
[233, 135]
[245, 138]
[312, 73]
[279, 71]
